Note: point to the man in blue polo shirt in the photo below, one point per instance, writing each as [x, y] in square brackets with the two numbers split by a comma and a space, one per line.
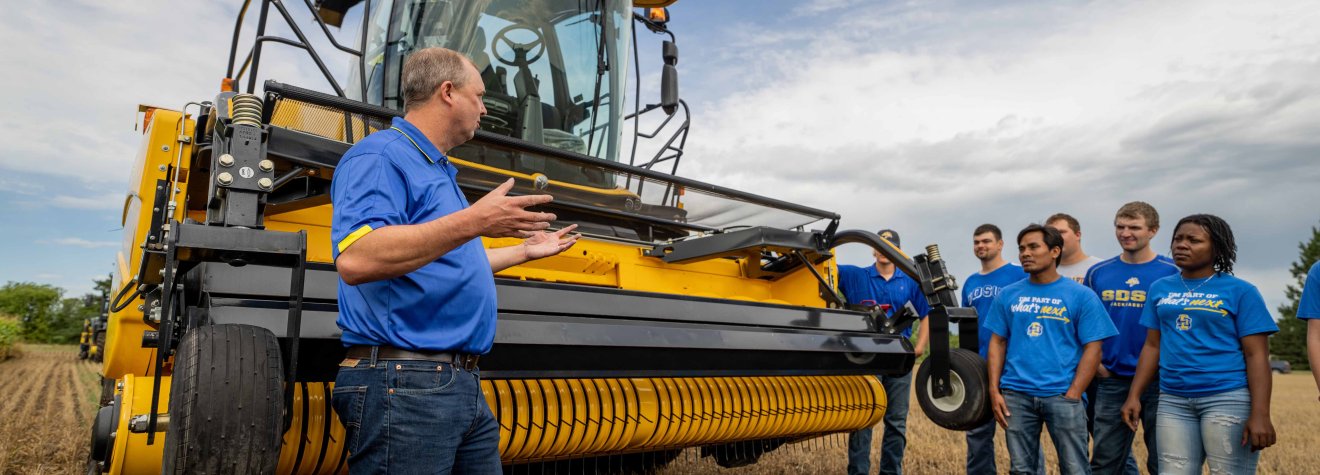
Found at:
[417, 289]
[1122, 283]
[979, 291]
[1044, 351]
[1309, 309]
[885, 286]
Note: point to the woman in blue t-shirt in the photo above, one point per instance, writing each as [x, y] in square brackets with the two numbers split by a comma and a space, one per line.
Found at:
[1208, 339]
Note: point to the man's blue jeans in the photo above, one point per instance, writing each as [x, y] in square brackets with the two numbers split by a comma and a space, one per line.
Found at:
[1066, 421]
[1192, 431]
[894, 441]
[413, 417]
[981, 451]
[1113, 438]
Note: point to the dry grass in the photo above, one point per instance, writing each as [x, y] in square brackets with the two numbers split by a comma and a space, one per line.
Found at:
[48, 396]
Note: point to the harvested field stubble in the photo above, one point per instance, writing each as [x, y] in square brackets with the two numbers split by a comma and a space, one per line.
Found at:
[45, 413]
[49, 397]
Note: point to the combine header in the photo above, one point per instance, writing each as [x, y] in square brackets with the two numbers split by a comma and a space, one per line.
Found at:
[689, 315]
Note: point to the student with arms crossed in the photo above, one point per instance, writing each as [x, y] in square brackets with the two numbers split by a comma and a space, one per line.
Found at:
[1043, 353]
[1207, 338]
[979, 292]
[1122, 283]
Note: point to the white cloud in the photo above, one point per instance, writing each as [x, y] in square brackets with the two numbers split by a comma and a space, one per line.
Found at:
[108, 201]
[80, 242]
[936, 117]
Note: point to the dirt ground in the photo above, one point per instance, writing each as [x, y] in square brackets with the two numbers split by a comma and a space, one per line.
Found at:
[48, 396]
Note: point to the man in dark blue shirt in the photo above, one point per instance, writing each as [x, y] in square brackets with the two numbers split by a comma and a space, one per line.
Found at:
[885, 286]
[417, 290]
[1122, 283]
[979, 291]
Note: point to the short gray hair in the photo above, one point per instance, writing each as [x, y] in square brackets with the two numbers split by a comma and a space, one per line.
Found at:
[426, 69]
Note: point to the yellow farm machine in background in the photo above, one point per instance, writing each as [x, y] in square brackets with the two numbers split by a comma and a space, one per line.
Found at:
[689, 315]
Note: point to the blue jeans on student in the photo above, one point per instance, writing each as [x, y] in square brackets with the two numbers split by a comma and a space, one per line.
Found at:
[413, 417]
[1113, 438]
[981, 451]
[1066, 421]
[1193, 431]
[894, 441]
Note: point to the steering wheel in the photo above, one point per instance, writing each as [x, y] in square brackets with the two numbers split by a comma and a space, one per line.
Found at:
[520, 50]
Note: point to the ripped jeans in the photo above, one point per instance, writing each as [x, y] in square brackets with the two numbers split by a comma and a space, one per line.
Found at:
[1192, 431]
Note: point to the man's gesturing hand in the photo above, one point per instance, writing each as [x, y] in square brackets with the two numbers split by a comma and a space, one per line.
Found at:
[546, 244]
[504, 216]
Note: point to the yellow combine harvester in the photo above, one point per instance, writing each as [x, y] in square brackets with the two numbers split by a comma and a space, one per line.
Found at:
[689, 315]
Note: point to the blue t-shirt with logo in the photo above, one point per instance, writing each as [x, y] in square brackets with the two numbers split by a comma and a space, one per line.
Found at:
[1122, 289]
[1047, 326]
[1309, 306]
[865, 286]
[980, 290]
[1201, 324]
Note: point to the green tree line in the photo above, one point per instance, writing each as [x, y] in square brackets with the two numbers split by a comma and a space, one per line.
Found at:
[44, 315]
[1290, 343]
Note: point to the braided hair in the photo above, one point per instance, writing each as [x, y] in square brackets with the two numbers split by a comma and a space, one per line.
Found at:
[1221, 239]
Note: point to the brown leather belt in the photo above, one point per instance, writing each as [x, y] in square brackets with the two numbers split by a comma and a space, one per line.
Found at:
[466, 362]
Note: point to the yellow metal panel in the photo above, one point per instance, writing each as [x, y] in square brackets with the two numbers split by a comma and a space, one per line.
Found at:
[131, 453]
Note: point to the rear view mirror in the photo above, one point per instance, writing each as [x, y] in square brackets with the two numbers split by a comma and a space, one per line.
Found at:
[669, 78]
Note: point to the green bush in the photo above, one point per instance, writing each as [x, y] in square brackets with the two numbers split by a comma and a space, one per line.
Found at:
[9, 331]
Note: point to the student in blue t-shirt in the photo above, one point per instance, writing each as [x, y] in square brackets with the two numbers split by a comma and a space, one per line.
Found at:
[1121, 283]
[884, 285]
[1309, 309]
[1208, 339]
[979, 291]
[1043, 353]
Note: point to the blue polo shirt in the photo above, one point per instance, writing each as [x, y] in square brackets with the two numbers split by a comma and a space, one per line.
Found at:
[396, 177]
[979, 292]
[1201, 324]
[1309, 307]
[865, 286]
[1047, 327]
[1122, 288]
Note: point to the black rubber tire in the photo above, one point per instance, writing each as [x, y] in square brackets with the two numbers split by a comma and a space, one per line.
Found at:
[968, 407]
[226, 402]
[98, 341]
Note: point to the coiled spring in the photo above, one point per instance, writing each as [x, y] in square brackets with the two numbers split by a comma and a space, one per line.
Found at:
[246, 110]
[933, 252]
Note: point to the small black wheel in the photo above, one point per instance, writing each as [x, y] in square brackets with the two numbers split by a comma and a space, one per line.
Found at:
[226, 402]
[98, 346]
[967, 405]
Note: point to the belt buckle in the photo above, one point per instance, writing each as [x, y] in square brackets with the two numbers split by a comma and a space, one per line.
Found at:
[467, 362]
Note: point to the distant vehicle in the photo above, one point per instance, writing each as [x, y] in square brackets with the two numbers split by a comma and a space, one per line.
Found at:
[1280, 366]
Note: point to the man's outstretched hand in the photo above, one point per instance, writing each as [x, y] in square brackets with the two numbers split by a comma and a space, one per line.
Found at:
[506, 216]
[545, 244]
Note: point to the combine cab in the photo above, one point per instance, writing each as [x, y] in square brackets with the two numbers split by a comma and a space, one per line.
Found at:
[689, 315]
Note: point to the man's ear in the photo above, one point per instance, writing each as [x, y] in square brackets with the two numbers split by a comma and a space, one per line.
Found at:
[445, 92]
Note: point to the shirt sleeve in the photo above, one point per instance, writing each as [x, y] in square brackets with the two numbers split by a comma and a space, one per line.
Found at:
[1309, 306]
[1253, 318]
[846, 275]
[368, 193]
[997, 320]
[1093, 321]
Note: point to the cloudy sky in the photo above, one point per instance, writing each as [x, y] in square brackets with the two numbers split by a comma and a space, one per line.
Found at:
[926, 117]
